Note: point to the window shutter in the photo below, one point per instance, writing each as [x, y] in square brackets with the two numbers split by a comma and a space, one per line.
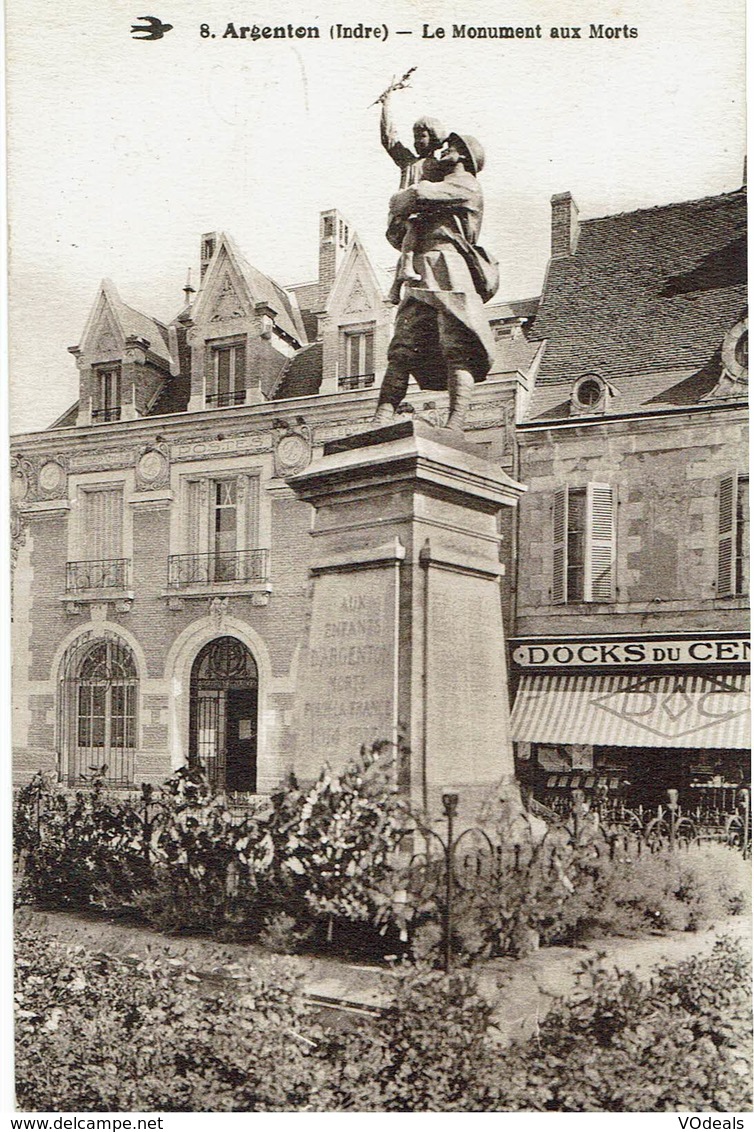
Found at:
[252, 512]
[559, 546]
[239, 369]
[726, 534]
[368, 352]
[196, 514]
[103, 523]
[599, 568]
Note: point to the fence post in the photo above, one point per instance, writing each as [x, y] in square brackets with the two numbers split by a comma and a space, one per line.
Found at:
[673, 807]
[450, 808]
[577, 809]
[746, 807]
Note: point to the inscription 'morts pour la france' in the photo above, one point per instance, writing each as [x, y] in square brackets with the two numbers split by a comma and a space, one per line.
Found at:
[350, 675]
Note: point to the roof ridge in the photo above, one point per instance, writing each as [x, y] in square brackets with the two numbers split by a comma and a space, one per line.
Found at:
[715, 197]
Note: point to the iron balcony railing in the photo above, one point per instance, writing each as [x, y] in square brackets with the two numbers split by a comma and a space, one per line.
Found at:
[97, 574]
[356, 381]
[224, 400]
[249, 566]
[111, 414]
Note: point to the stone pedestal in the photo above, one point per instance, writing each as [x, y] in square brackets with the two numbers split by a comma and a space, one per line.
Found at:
[406, 635]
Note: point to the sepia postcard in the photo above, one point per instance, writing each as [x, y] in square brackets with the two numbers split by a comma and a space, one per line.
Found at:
[379, 561]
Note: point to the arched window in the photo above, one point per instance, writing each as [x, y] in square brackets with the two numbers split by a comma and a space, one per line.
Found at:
[98, 711]
[223, 728]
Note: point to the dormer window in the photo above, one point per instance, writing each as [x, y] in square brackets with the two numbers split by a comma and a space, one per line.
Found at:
[107, 397]
[358, 359]
[226, 377]
[590, 395]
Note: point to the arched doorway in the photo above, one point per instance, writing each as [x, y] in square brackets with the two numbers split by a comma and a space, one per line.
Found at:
[97, 711]
[223, 718]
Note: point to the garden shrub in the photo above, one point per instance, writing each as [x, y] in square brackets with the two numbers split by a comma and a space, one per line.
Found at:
[335, 843]
[99, 1033]
[680, 1042]
[209, 866]
[324, 863]
[78, 847]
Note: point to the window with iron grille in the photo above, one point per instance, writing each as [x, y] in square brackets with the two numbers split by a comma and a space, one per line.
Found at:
[107, 399]
[220, 518]
[97, 714]
[733, 535]
[584, 549]
[226, 376]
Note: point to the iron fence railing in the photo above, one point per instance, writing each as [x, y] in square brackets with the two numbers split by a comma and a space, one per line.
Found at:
[97, 574]
[357, 381]
[457, 862]
[249, 566]
[115, 767]
[225, 400]
[110, 414]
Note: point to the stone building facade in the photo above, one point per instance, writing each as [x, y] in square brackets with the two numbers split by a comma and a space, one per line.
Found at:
[162, 561]
[632, 622]
[161, 591]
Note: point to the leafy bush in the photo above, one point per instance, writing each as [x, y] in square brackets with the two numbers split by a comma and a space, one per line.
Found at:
[328, 857]
[97, 1033]
[182, 859]
[680, 1042]
[77, 847]
[335, 843]
[209, 866]
[153, 1034]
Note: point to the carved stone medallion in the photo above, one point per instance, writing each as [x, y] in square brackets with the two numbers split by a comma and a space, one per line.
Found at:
[293, 447]
[152, 468]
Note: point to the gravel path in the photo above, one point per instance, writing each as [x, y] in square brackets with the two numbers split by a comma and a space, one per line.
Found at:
[522, 988]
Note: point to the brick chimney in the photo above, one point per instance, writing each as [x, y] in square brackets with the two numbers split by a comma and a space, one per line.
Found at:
[565, 225]
[334, 234]
[207, 248]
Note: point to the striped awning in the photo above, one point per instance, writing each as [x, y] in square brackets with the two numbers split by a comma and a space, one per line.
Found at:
[634, 711]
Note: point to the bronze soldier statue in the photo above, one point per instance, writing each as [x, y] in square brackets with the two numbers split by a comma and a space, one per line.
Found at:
[441, 333]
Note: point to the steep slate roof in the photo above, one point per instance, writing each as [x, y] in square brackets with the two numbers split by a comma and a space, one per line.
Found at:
[513, 354]
[266, 290]
[307, 297]
[650, 293]
[302, 375]
[142, 326]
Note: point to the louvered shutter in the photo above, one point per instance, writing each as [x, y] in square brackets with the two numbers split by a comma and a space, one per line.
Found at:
[726, 534]
[559, 546]
[239, 370]
[194, 524]
[599, 567]
[252, 513]
[103, 524]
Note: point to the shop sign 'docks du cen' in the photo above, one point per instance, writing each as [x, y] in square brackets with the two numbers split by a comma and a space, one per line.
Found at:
[712, 650]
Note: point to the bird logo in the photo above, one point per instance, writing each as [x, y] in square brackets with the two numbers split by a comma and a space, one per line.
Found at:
[150, 28]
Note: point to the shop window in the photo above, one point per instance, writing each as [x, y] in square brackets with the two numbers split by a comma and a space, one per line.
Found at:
[733, 535]
[584, 544]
